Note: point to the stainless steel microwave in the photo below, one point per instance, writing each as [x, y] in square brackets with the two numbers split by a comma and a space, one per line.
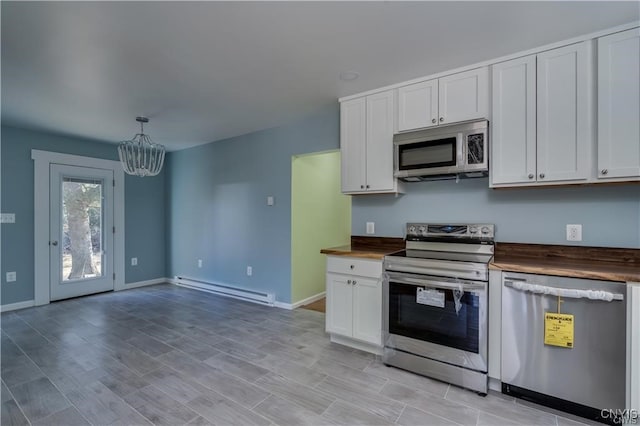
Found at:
[443, 152]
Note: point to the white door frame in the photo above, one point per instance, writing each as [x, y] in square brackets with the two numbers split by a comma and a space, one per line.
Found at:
[43, 160]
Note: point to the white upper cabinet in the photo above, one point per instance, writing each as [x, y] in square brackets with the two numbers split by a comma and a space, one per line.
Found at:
[564, 122]
[450, 99]
[379, 162]
[619, 105]
[463, 96]
[353, 144]
[366, 143]
[418, 105]
[513, 122]
[542, 118]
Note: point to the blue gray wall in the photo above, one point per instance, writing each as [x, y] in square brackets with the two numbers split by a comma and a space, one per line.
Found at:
[217, 210]
[144, 210]
[610, 215]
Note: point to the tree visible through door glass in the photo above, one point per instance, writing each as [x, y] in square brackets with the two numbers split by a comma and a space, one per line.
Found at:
[82, 231]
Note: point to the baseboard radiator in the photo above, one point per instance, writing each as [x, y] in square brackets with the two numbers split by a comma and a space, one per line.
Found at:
[267, 299]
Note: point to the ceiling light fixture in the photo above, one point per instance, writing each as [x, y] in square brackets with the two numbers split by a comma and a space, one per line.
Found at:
[140, 156]
[348, 75]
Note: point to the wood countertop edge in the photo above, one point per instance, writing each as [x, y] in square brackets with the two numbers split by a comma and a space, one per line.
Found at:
[354, 253]
[565, 272]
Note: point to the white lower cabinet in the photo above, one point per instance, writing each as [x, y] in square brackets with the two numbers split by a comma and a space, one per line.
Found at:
[354, 302]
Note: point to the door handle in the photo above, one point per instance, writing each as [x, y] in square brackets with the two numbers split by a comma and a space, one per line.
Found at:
[54, 243]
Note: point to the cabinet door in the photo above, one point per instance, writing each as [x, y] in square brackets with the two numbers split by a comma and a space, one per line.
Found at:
[339, 318]
[463, 96]
[352, 144]
[418, 105]
[513, 125]
[367, 310]
[619, 105]
[564, 135]
[380, 142]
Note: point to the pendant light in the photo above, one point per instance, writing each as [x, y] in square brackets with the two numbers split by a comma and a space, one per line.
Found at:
[140, 156]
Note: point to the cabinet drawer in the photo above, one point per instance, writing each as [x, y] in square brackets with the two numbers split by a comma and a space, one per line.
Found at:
[353, 266]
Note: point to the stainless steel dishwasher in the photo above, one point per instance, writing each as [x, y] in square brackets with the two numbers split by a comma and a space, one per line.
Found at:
[580, 371]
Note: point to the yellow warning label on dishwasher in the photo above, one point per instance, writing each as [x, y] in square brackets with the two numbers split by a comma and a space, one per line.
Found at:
[558, 329]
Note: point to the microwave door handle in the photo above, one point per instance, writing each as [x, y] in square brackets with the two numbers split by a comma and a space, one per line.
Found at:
[421, 282]
[461, 148]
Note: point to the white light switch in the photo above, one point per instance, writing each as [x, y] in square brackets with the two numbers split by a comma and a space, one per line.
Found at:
[11, 277]
[270, 200]
[371, 228]
[134, 261]
[8, 218]
[249, 270]
[199, 263]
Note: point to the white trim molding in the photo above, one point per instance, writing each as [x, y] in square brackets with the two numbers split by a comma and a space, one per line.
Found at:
[43, 160]
[128, 286]
[18, 305]
[303, 302]
[633, 346]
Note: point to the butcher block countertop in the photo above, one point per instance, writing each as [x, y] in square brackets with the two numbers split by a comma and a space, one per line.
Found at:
[367, 247]
[600, 263]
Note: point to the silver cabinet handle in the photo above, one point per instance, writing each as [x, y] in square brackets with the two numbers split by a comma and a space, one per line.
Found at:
[54, 243]
[348, 281]
[433, 120]
[351, 266]
[361, 186]
[441, 119]
[530, 175]
[541, 175]
[605, 171]
[367, 186]
[353, 282]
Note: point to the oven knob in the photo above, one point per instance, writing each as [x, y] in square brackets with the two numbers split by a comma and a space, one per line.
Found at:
[473, 229]
[412, 230]
[485, 230]
[422, 230]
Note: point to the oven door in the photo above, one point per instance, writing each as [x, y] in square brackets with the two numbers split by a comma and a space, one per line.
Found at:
[438, 318]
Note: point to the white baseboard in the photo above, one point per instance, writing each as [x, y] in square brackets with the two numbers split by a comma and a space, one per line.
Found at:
[302, 302]
[137, 284]
[18, 305]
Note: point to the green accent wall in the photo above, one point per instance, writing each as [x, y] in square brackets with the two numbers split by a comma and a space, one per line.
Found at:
[320, 218]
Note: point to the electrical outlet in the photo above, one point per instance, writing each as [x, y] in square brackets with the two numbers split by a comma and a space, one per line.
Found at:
[371, 227]
[199, 263]
[11, 277]
[270, 200]
[249, 270]
[8, 218]
[134, 261]
[574, 232]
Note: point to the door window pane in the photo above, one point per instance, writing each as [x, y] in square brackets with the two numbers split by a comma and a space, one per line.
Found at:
[82, 230]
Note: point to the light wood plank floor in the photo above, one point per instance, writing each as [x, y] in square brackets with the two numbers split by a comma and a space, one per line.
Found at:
[169, 355]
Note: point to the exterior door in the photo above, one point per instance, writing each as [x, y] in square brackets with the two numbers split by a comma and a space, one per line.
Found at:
[81, 231]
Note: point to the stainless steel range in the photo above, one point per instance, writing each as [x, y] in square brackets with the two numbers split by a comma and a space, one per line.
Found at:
[435, 303]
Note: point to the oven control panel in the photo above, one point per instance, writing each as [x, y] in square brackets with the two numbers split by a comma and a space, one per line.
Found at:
[422, 231]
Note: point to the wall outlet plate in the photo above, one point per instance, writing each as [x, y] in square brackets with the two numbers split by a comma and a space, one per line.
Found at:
[371, 227]
[199, 263]
[249, 270]
[8, 218]
[574, 232]
[270, 200]
[134, 261]
[11, 277]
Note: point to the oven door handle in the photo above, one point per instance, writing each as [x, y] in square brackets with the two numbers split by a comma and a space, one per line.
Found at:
[422, 282]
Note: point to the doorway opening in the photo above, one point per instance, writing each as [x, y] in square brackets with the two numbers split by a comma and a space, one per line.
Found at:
[320, 218]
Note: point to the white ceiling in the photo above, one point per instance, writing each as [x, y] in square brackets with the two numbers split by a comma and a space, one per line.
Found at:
[205, 71]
